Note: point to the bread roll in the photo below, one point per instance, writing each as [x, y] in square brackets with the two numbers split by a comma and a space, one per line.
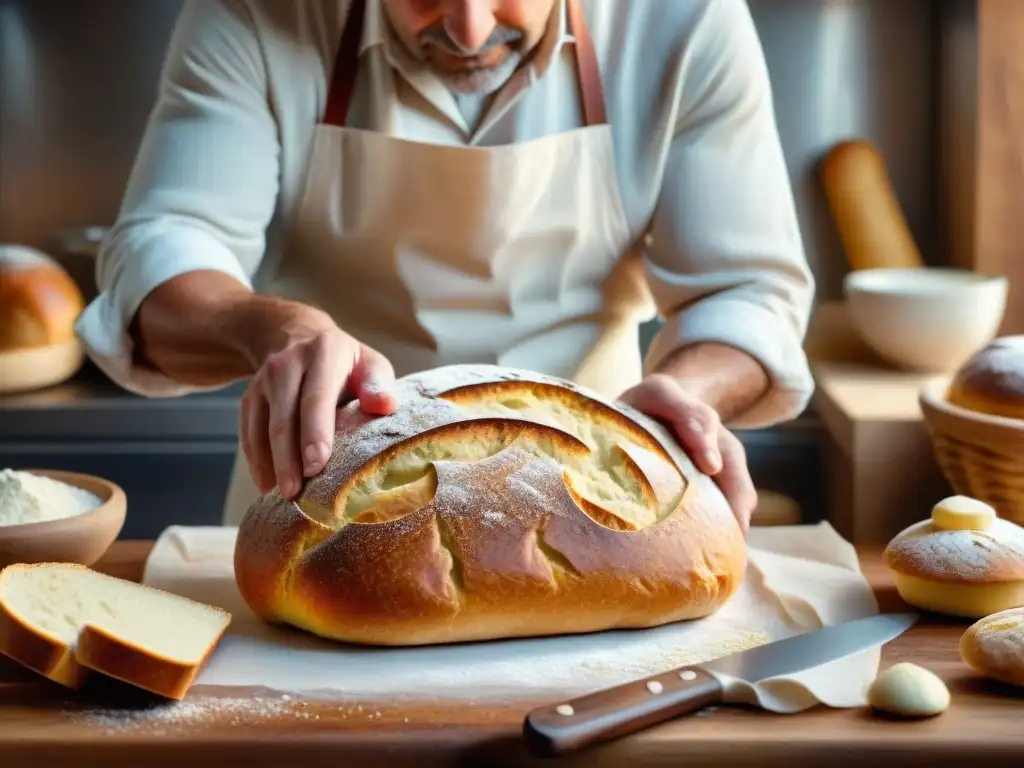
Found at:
[66, 621]
[994, 646]
[494, 503]
[992, 380]
[964, 561]
[871, 225]
[39, 302]
[774, 508]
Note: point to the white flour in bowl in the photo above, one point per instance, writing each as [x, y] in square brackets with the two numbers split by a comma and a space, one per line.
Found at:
[28, 498]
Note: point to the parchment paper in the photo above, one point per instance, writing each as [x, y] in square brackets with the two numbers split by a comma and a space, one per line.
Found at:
[799, 578]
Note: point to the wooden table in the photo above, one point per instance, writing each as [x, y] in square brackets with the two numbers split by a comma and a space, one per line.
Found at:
[42, 724]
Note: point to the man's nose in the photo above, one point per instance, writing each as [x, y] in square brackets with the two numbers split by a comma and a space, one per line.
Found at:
[469, 23]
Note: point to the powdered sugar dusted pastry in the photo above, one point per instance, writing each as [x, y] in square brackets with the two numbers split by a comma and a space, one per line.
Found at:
[493, 503]
[964, 561]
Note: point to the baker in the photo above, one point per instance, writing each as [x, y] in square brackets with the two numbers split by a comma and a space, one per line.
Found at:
[335, 192]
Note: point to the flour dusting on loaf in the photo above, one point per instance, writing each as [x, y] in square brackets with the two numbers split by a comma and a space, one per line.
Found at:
[493, 503]
[992, 380]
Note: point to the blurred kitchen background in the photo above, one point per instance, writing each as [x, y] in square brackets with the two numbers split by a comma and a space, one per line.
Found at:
[77, 80]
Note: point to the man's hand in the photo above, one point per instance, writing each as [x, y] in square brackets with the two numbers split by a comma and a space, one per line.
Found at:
[713, 448]
[206, 328]
[288, 411]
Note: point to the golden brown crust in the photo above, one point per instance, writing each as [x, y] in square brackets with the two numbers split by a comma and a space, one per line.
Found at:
[102, 652]
[992, 380]
[994, 646]
[501, 548]
[39, 304]
[38, 652]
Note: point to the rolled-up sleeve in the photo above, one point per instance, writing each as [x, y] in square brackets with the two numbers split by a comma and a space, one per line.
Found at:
[202, 190]
[725, 260]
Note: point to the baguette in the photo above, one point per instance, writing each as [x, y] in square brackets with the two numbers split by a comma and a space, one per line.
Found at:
[493, 503]
[66, 621]
[868, 217]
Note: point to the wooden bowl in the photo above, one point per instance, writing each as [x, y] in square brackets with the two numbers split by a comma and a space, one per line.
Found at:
[81, 539]
[981, 456]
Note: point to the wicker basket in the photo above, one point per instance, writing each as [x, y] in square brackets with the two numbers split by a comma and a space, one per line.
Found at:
[981, 456]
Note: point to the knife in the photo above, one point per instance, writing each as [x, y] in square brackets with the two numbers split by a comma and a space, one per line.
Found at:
[588, 720]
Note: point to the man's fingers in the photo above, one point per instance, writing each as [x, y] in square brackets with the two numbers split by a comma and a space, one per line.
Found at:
[696, 425]
[318, 404]
[256, 445]
[734, 479]
[281, 384]
[373, 382]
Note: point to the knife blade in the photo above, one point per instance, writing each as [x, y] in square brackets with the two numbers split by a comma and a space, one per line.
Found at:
[571, 725]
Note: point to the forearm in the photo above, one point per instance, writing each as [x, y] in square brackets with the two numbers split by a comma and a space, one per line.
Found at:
[207, 329]
[727, 379]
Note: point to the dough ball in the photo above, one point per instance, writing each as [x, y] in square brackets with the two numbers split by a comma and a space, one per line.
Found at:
[907, 690]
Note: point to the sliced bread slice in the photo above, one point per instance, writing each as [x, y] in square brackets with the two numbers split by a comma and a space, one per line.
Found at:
[63, 620]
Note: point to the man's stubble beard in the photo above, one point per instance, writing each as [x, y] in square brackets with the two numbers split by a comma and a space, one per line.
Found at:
[482, 81]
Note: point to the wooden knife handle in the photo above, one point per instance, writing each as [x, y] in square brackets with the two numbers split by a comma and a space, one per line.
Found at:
[578, 723]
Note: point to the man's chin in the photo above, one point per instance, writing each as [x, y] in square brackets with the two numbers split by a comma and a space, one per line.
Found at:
[449, 65]
[480, 81]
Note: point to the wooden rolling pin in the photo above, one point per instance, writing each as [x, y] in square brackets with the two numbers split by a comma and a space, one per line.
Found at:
[868, 217]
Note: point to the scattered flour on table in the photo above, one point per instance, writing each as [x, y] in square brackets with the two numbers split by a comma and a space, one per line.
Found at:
[194, 712]
[28, 498]
[199, 711]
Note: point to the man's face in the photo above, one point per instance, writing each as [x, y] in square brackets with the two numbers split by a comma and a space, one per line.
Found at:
[473, 45]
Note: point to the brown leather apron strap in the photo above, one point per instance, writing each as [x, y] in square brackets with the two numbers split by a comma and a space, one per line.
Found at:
[591, 88]
[346, 67]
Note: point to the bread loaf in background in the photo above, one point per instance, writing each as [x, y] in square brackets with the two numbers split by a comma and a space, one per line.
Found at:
[39, 302]
[869, 220]
[494, 503]
[992, 380]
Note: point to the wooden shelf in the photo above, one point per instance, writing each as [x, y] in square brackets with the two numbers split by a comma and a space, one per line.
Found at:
[881, 470]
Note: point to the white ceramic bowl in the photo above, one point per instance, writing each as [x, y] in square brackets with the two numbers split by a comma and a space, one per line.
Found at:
[929, 319]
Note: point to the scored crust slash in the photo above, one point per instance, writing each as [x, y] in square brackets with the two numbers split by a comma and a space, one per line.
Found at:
[493, 503]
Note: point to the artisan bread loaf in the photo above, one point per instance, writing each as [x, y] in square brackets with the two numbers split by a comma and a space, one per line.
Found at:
[39, 302]
[65, 621]
[994, 646]
[964, 561]
[493, 503]
[992, 380]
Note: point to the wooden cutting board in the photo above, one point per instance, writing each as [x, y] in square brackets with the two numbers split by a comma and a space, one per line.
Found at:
[110, 726]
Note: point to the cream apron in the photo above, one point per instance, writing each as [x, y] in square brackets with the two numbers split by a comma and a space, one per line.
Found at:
[517, 255]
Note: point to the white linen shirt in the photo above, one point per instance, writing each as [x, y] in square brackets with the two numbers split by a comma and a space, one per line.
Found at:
[220, 172]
